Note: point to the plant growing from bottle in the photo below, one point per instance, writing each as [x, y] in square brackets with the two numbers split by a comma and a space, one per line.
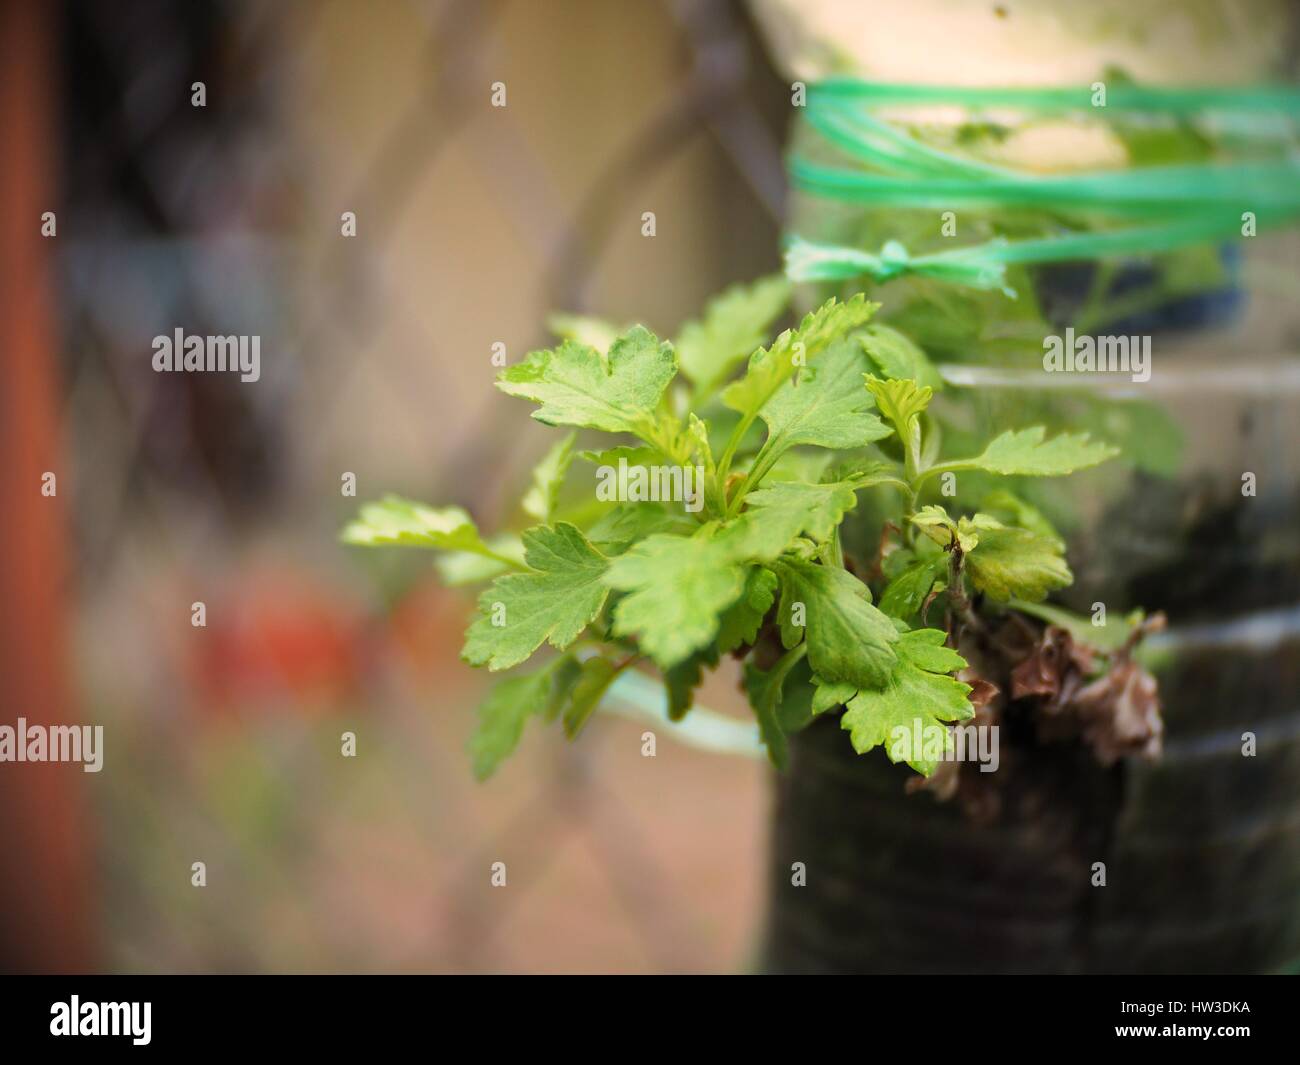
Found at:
[943, 619]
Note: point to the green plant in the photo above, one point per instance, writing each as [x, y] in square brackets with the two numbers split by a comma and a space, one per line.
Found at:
[781, 452]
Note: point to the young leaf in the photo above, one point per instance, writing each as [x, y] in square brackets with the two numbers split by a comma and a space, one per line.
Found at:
[733, 325]
[897, 356]
[1010, 562]
[548, 477]
[823, 406]
[554, 601]
[1025, 452]
[848, 638]
[936, 523]
[677, 586]
[918, 695]
[769, 368]
[899, 401]
[815, 509]
[577, 386]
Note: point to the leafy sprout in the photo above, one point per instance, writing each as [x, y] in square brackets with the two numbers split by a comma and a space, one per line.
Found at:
[759, 570]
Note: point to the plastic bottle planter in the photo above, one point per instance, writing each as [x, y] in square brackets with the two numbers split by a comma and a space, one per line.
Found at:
[1200, 850]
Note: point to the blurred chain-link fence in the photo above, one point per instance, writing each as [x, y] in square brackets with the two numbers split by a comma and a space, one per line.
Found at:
[471, 223]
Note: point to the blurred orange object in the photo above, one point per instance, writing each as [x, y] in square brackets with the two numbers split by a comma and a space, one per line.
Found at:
[279, 639]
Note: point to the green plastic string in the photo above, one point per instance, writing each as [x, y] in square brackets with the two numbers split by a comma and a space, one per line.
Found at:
[1164, 207]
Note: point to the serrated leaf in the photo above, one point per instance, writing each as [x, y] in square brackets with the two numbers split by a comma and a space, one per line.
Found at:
[548, 478]
[769, 368]
[398, 521]
[1015, 562]
[823, 406]
[815, 509]
[502, 714]
[676, 587]
[901, 402]
[848, 638]
[578, 386]
[1024, 452]
[764, 689]
[896, 356]
[732, 326]
[553, 602]
[830, 694]
[918, 696]
[681, 680]
[740, 622]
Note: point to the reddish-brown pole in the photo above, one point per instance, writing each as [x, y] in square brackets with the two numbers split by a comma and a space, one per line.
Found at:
[45, 859]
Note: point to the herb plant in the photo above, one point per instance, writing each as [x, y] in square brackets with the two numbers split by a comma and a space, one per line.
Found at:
[787, 442]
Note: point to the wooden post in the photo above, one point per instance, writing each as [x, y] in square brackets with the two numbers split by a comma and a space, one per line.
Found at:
[45, 889]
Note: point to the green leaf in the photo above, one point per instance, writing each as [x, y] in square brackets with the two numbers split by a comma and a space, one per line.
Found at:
[1026, 453]
[465, 567]
[401, 521]
[641, 455]
[548, 478]
[596, 677]
[578, 386]
[900, 401]
[733, 325]
[681, 680]
[823, 406]
[622, 525]
[740, 622]
[554, 601]
[936, 523]
[760, 535]
[830, 694]
[848, 638]
[765, 690]
[907, 592]
[509, 703]
[897, 356]
[815, 509]
[1010, 509]
[769, 368]
[917, 697]
[677, 587]
[1009, 562]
